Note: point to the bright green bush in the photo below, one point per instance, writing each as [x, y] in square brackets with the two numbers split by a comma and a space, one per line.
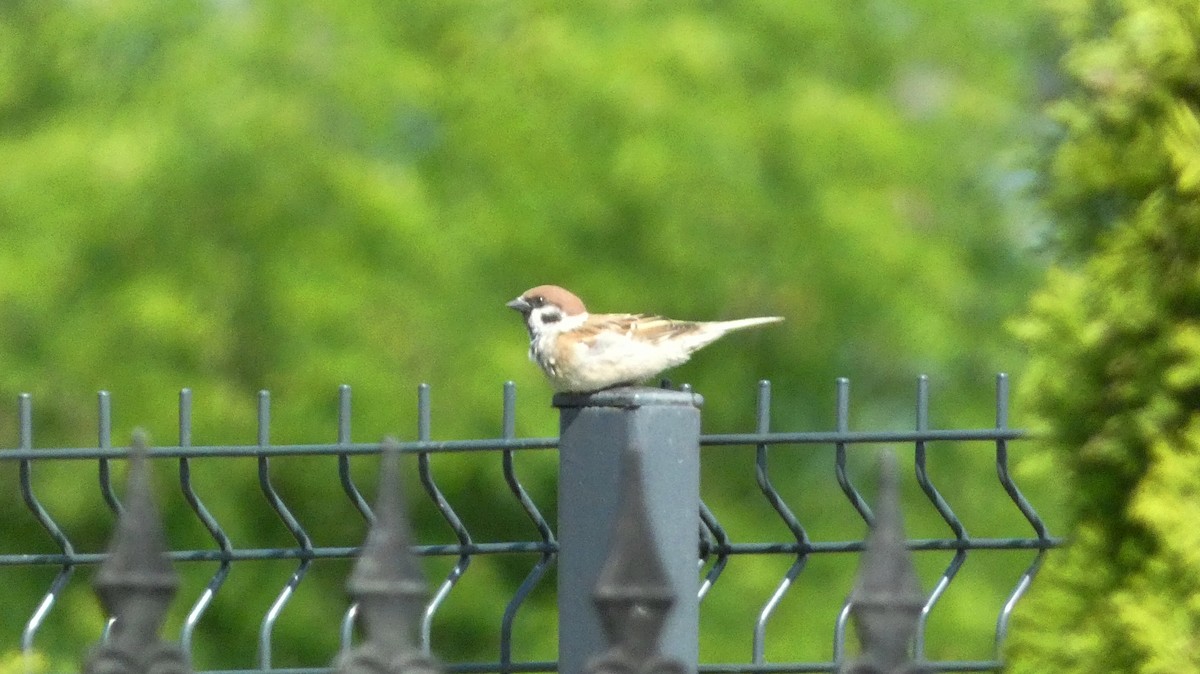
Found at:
[1116, 340]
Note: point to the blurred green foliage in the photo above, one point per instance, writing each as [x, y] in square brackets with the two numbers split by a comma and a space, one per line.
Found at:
[16, 663]
[1116, 374]
[295, 194]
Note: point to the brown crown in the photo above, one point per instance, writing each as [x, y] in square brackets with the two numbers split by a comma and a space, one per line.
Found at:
[561, 297]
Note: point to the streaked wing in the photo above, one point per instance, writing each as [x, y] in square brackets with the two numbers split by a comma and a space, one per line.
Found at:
[645, 327]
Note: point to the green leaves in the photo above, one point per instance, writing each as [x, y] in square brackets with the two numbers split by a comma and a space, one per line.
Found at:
[1115, 373]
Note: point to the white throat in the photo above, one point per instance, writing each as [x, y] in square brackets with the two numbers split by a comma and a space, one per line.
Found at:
[546, 324]
[549, 321]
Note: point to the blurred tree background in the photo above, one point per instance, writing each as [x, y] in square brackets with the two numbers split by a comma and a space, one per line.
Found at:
[1115, 384]
[296, 194]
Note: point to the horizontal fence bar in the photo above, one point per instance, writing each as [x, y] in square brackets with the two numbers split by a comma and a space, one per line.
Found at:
[802, 667]
[254, 451]
[59, 559]
[538, 547]
[460, 668]
[794, 548]
[860, 437]
[509, 444]
[709, 668]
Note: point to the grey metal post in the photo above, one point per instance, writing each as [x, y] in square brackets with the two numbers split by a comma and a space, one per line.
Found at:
[594, 431]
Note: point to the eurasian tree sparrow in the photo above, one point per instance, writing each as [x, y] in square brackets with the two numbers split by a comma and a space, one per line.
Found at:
[582, 352]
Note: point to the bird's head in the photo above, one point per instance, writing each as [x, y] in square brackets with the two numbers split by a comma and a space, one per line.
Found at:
[549, 309]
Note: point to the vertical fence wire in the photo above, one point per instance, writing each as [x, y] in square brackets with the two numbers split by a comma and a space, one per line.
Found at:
[25, 441]
[711, 527]
[289, 521]
[210, 524]
[842, 422]
[443, 505]
[104, 438]
[508, 432]
[1026, 508]
[356, 498]
[943, 509]
[763, 477]
[712, 536]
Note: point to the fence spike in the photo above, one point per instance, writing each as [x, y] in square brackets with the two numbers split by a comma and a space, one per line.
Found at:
[389, 587]
[887, 599]
[135, 584]
[633, 593]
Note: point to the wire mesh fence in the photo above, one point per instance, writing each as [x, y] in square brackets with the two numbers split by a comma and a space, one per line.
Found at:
[719, 550]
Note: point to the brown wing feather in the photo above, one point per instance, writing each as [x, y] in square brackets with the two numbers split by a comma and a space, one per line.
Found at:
[652, 328]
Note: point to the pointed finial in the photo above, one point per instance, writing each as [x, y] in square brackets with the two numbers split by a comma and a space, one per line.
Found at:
[389, 586]
[633, 593]
[887, 598]
[136, 582]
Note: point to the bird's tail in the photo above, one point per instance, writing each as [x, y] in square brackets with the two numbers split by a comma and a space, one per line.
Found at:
[743, 323]
[708, 332]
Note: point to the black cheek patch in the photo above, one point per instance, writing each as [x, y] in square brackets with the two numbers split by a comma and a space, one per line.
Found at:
[551, 317]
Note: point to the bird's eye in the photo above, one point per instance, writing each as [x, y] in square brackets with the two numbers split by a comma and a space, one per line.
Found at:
[537, 301]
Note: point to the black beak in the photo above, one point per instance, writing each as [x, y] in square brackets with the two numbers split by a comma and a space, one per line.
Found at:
[520, 305]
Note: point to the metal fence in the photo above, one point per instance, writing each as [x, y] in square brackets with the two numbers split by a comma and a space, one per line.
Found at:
[599, 434]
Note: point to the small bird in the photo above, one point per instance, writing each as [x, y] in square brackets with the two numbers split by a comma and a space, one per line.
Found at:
[582, 352]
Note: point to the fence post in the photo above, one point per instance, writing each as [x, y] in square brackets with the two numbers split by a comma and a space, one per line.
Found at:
[595, 430]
